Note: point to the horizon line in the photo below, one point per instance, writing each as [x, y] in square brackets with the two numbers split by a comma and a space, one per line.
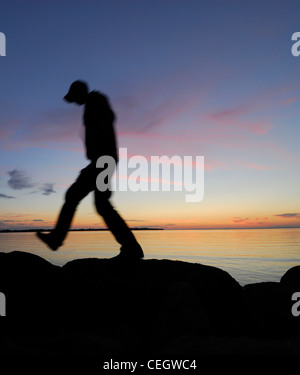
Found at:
[144, 228]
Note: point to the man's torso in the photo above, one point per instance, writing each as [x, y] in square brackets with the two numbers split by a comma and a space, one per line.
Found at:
[99, 127]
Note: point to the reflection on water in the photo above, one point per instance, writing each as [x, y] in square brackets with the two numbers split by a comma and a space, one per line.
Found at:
[249, 255]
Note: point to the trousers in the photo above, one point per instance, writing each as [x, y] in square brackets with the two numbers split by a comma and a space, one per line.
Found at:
[84, 184]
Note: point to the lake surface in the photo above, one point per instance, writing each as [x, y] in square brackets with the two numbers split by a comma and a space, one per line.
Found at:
[249, 255]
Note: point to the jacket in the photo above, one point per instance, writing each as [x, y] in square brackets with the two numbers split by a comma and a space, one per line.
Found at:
[99, 120]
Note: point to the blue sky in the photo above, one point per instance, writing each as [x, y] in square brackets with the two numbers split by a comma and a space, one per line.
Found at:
[209, 78]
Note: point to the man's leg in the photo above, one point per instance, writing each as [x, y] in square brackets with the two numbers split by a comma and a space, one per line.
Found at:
[81, 188]
[115, 223]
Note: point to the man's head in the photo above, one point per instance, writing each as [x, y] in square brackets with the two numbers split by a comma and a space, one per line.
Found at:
[77, 93]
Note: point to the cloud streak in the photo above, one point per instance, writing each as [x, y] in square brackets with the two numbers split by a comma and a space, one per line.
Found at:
[6, 196]
[18, 180]
[47, 189]
[239, 220]
[236, 117]
[289, 215]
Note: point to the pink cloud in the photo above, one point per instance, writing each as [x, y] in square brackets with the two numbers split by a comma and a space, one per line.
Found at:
[51, 129]
[153, 124]
[257, 166]
[249, 222]
[209, 165]
[236, 117]
[288, 101]
[138, 116]
[250, 116]
[5, 133]
[238, 219]
[228, 114]
[55, 126]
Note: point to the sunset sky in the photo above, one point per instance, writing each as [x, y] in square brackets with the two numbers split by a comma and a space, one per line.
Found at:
[209, 78]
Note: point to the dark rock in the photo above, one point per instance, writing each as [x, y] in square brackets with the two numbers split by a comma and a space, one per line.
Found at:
[218, 294]
[267, 310]
[210, 346]
[181, 313]
[148, 307]
[151, 299]
[28, 282]
[291, 282]
[292, 278]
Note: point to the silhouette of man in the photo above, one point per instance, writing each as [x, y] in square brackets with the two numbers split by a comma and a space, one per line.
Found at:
[100, 140]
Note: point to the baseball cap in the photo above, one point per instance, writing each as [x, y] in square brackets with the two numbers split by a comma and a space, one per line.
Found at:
[75, 89]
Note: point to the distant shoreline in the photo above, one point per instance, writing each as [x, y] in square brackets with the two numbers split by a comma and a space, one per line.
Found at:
[71, 230]
[137, 228]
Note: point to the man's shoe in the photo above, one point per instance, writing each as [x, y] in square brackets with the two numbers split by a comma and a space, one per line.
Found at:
[130, 253]
[48, 239]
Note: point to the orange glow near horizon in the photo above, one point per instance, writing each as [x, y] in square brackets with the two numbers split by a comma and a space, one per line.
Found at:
[95, 222]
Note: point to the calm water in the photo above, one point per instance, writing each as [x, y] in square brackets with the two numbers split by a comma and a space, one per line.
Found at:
[250, 255]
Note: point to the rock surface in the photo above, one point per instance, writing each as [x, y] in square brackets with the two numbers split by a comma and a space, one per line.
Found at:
[152, 307]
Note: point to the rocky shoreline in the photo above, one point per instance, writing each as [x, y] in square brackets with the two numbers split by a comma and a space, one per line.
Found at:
[153, 307]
